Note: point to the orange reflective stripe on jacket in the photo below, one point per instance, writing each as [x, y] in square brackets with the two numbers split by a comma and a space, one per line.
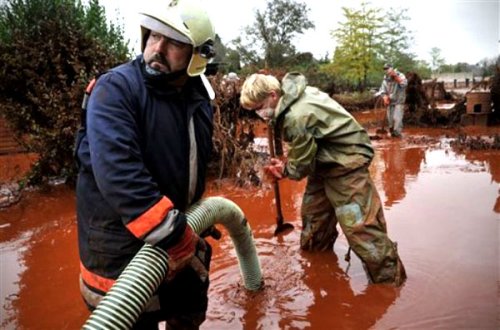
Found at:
[151, 218]
[96, 281]
[90, 86]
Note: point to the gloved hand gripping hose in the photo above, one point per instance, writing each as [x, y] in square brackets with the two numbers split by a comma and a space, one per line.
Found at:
[128, 297]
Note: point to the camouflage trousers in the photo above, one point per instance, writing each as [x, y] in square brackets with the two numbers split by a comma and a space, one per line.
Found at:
[351, 200]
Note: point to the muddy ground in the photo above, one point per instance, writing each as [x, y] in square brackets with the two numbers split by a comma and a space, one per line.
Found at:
[441, 203]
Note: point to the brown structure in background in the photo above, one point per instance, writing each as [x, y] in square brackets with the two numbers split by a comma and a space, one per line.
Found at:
[430, 102]
[478, 108]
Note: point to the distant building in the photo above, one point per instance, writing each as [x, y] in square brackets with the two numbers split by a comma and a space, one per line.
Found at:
[453, 80]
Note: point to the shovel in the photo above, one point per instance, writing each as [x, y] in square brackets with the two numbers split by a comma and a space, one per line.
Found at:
[281, 226]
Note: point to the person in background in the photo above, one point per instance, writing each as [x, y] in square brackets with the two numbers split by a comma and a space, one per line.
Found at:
[142, 159]
[393, 92]
[331, 149]
[229, 85]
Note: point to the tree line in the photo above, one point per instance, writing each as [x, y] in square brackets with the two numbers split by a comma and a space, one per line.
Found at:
[366, 38]
[50, 50]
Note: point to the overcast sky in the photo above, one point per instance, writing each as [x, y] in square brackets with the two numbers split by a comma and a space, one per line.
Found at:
[464, 30]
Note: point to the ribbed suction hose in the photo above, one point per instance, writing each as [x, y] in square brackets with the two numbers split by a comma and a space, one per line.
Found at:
[126, 300]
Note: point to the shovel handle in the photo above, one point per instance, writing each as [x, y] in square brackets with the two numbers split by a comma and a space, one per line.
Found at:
[279, 215]
[270, 137]
[281, 225]
[272, 152]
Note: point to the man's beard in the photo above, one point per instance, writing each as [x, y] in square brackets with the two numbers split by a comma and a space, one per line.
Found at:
[159, 78]
[157, 57]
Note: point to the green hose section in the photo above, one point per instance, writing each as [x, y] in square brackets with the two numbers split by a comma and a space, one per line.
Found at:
[212, 210]
[121, 306]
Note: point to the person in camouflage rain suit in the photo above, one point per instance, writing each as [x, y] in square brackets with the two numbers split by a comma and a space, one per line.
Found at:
[329, 147]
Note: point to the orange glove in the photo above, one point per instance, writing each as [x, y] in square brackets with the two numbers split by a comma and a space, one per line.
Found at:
[180, 255]
[393, 74]
[387, 100]
[184, 247]
[274, 171]
[191, 251]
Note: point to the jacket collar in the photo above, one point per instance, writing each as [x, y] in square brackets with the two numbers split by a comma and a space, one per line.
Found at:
[293, 85]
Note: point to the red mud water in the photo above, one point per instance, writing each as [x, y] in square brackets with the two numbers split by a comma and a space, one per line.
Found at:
[442, 208]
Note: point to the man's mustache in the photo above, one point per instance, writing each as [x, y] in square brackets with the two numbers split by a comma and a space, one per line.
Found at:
[157, 57]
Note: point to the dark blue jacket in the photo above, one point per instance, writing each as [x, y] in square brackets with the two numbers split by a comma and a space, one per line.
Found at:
[134, 163]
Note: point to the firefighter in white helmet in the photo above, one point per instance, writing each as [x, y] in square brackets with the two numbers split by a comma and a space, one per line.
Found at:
[142, 157]
[184, 22]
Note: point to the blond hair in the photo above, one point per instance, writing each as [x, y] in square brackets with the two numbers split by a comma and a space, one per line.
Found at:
[257, 88]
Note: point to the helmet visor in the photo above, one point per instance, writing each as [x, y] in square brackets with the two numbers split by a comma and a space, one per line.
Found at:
[157, 26]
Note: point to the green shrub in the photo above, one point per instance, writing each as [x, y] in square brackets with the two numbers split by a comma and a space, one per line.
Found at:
[49, 50]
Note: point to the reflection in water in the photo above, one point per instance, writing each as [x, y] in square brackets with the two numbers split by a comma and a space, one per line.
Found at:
[336, 304]
[401, 163]
[12, 255]
[441, 211]
[43, 227]
[490, 159]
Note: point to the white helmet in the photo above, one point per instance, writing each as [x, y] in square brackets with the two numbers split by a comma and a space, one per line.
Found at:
[185, 21]
[232, 76]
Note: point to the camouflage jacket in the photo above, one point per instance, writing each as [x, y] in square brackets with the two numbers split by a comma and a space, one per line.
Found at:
[319, 132]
